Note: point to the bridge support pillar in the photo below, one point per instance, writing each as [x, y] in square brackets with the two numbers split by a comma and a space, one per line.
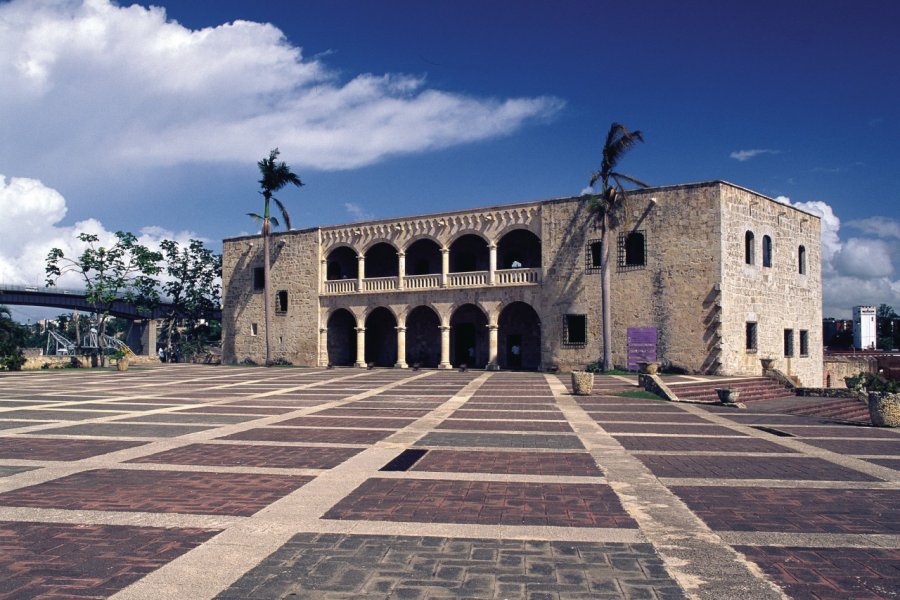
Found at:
[142, 338]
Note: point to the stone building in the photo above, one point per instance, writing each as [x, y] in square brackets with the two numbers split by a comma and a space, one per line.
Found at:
[708, 277]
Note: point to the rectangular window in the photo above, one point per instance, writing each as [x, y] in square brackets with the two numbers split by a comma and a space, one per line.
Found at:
[281, 302]
[804, 342]
[259, 281]
[788, 342]
[750, 342]
[592, 256]
[254, 330]
[575, 330]
[632, 251]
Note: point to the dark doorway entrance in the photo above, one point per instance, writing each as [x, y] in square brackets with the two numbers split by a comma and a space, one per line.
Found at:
[381, 338]
[514, 351]
[342, 338]
[468, 337]
[423, 338]
[519, 337]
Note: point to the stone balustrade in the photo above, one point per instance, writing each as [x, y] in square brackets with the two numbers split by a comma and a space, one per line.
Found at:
[432, 281]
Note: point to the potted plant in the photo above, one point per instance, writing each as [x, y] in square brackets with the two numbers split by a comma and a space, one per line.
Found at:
[582, 383]
[882, 396]
[121, 358]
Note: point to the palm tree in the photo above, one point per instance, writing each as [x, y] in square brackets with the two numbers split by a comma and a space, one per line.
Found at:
[618, 141]
[275, 176]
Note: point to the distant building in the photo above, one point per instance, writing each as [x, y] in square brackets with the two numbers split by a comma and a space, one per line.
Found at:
[836, 330]
[865, 327]
[708, 277]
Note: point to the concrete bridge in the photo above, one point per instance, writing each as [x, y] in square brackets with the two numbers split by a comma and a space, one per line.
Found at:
[142, 337]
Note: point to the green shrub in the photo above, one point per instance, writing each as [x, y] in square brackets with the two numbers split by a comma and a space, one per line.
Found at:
[872, 382]
[13, 362]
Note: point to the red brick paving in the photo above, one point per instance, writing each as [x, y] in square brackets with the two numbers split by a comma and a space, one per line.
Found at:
[522, 415]
[47, 560]
[524, 463]
[750, 467]
[892, 463]
[373, 422]
[862, 447]
[26, 448]
[236, 494]
[832, 573]
[485, 425]
[245, 455]
[698, 444]
[674, 429]
[239, 410]
[646, 417]
[842, 431]
[794, 510]
[373, 412]
[490, 503]
[303, 434]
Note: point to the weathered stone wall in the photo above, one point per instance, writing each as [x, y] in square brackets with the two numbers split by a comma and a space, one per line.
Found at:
[294, 268]
[776, 297]
[836, 368]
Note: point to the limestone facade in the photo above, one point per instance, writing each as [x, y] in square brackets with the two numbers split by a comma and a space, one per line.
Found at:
[518, 286]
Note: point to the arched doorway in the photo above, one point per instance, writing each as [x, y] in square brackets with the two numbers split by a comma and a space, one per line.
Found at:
[382, 261]
[381, 338]
[469, 253]
[423, 257]
[469, 337]
[342, 338]
[519, 337]
[519, 249]
[341, 264]
[423, 338]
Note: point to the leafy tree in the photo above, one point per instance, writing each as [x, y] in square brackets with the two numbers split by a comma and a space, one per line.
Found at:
[12, 334]
[612, 193]
[275, 176]
[123, 271]
[193, 287]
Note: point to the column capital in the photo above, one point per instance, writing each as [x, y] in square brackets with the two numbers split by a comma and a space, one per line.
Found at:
[323, 330]
[492, 327]
[398, 328]
[401, 254]
[444, 328]
[359, 329]
[360, 257]
[492, 245]
[445, 250]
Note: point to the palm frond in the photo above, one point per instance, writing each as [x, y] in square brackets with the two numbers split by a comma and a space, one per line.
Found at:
[273, 221]
[629, 179]
[284, 213]
[255, 217]
[618, 141]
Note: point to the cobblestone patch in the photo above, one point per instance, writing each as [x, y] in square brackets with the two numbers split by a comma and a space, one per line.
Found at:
[491, 503]
[501, 440]
[308, 434]
[859, 447]
[858, 573]
[351, 567]
[234, 494]
[524, 463]
[29, 448]
[750, 467]
[794, 510]
[245, 455]
[46, 560]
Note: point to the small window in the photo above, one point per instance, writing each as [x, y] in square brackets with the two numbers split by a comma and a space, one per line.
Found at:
[767, 251]
[804, 342]
[750, 342]
[801, 260]
[254, 329]
[788, 342]
[749, 248]
[259, 278]
[575, 330]
[632, 250]
[593, 256]
[281, 301]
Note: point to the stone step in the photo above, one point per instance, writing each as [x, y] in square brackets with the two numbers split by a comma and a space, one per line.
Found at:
[751, 390]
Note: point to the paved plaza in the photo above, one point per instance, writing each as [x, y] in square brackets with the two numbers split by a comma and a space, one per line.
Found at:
[195, 482]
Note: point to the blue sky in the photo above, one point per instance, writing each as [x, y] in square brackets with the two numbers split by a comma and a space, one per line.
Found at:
[124, 118]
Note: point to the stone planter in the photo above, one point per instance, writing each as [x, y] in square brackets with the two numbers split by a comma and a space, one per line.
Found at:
[122, 364]
[727, 396]
[767, 363]
[884, 409]
[582, 383]
[650, 368]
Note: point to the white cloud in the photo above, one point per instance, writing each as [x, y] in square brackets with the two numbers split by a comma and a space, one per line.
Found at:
[357, 212]
[30, 229]
[745, 155]
[91, 84]
[883, 227]
[864, 259]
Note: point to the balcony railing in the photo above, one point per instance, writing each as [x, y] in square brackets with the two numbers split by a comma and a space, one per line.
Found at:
[433, 281]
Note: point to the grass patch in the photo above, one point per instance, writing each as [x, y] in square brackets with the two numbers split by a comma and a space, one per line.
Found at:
[614, 372]
[638, 394]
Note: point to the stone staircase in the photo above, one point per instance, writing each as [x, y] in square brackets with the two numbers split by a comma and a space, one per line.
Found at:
[752, 389]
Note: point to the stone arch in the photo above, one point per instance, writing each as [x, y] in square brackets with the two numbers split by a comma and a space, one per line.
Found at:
[469, 252]
[749, 248]
[767, 251]
[382, 260]
[381, 240]
[341, 338]
[801, 259]
[519, 337]
[423, 336]
[519, 248]
[469, 336]
[381, 337]
[423, 257]
[341, 263]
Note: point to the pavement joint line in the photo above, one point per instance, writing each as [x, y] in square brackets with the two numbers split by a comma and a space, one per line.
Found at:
[156, 445]
[213, 569]
[811, 540]
[703, 564]
[884, 473]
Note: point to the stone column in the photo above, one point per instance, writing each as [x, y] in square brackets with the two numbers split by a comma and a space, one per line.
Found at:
[492, 265]
[323, 346]
[445, 348]
[401, 348]
[401, 270]
[360, 348]
[492, 365]
[445, 265]
[360, 271]
[323, 285]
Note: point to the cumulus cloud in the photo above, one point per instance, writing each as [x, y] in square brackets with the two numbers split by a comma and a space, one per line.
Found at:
[30, 228]
[855, 270]
[357, 212]
[745, 155]
[89, 83]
